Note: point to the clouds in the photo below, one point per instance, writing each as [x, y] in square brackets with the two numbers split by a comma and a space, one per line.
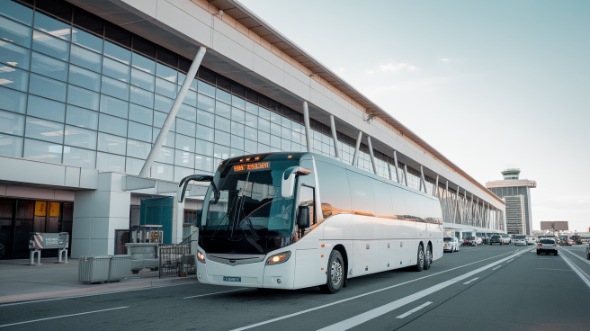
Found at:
[394, 67]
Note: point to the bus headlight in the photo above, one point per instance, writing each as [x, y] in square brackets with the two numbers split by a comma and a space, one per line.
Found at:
[200, 257]
[278, 258]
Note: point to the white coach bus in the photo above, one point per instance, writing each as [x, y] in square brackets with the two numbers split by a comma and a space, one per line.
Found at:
[296, 220]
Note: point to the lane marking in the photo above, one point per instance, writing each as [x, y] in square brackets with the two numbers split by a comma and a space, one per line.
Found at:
[553, 269]
[579, 257]
[214, 293]
[387, 308]
[276, 319]
[583, 276]
[63, 316]
[509, 260]
[410, 312]
[496, 268]
[471, 281]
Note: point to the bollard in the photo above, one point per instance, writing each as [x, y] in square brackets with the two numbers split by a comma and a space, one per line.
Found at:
[33, 252]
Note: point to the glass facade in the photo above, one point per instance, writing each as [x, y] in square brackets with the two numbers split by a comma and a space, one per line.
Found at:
[80, 91]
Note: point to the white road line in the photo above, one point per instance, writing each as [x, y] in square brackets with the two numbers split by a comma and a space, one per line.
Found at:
[369, 293]
[496, 268]
[379, 311]
[578, 257]
[471, 281]
[509, 260]
[553, 269]
[583, 276]
[214, 293]
[410, 312]
[62, 316]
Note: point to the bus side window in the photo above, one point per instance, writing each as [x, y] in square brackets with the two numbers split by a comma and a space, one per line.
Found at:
[306, 198]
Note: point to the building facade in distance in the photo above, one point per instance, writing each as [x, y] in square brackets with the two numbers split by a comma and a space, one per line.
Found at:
[517, 196]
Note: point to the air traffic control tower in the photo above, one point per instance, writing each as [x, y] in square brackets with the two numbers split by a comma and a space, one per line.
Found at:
[516, 194]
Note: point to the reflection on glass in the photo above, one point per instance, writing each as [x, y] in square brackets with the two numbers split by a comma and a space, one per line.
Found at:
[42, 151]
[79, 157]
[10, 145]
[44, 130]
[12, 123]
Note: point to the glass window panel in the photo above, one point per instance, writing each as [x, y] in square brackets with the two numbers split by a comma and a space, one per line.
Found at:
[165, 72]
[223, 95]
[221, 152]
[82, 117]
[86, 39]
[111, 144]
[162, 171]
[141, 114]
[206, 88]
[252, 108]
[185, 143]
[165, 88]
[79, 157]
[113, 106]
[263, 125]
[185, 127]
[113, 125]
[115, 88]
[82, 97]
[286, 145]
[110, 162]
[264, 113]
[140, 131]
[134, 166]
[52, 26]
[181, 172]
[205, 118]
[42, 151]
[138, 149]
[238, 115]
[50, 45]
[286, 133]
[44, 130]
[237, 129]
[166, 155]
[143, 79]
[204, 133]
[85, 78]
[205, 103]
[204, 147]
[169, 141]
[187, 112]
[204, 163]
[117, 52]
[14, 78]
[75, 136]
[115, 69]
[190, 98]
[15, 32]
[250, 146]
[275, 128]
[222, 124]
[11, 146]
[264, 137]
[12, 123]
[17, 12]
[14, 56]
[143, 63]
[251, 120]
[238, 102]
[163, 104]
[237, 142]
[185, 159]
[142, 97]
[262, 148]
[223, 109]
[48, 88]
[85, 58]
[46, 109]
[222, 138]
[275, 142]
[251, 134]
[159, 119]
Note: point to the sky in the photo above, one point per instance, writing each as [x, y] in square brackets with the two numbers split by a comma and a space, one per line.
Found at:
[489, 84]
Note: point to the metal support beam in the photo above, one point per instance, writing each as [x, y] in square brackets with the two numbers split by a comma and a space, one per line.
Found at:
[435, 193]
[334, 136]
[422, 179]
[406, 174]
[307, 126]
[396, 165]
[190, 77]
[372, 155]
[357, 149]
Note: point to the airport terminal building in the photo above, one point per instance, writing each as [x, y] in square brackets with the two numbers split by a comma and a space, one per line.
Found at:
[106, 104]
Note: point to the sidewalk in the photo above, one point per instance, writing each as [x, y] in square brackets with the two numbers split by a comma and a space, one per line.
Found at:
[20, 281]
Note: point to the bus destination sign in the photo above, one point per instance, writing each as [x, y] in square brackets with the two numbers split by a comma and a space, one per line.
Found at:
[251, 166]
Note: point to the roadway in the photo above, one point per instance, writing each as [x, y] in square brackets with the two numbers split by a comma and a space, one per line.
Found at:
[484, 288]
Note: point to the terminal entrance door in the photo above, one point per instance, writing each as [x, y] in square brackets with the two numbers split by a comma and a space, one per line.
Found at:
[158, 211]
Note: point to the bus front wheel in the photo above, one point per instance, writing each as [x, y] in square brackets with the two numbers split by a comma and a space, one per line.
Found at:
[427, 258]
[420, 258]
[335, 273]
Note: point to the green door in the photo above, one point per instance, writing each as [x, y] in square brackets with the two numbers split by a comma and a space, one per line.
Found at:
[158, 211]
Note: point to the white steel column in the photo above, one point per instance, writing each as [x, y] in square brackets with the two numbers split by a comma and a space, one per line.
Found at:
[334, 136]
[190, 76]
[396, 164]
[371, 153]
[357, 149]
[307, 126]
[406, 174]
[422, 179]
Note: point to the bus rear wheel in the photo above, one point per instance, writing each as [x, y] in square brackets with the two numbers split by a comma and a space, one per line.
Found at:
[427, 258]
[420, 258]
[335, 273]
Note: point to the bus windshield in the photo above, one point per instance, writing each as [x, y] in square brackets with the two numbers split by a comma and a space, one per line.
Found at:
[247, 215]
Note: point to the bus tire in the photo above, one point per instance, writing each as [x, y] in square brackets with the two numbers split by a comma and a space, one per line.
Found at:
[420, 258]
[427, 258]
[335, 273]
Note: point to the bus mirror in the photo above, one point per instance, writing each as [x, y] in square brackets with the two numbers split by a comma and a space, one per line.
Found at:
[197, 178]
[288, 180]
[303, 219]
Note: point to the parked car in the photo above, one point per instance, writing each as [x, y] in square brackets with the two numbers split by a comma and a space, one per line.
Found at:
[495, 239]
[547, 245]
[520, 239]
[450, 244]
[531, 240]
[506, 239]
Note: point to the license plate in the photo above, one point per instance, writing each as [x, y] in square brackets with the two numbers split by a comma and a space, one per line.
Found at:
[232, 279]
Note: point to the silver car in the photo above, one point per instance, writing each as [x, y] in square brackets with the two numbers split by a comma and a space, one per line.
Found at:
[450, 244]
[547, 245]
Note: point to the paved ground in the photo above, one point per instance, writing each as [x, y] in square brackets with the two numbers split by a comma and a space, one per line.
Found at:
[20, 281]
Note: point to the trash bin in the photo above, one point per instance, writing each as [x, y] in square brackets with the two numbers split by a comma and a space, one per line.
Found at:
[120, 267]
[93, 269]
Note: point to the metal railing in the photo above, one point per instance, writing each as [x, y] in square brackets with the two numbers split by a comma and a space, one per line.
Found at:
[177, 260]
